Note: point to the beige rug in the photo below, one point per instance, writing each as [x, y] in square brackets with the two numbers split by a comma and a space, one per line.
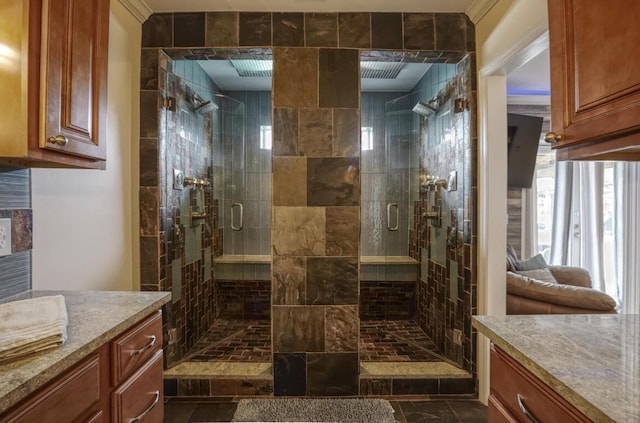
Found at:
[314, 410]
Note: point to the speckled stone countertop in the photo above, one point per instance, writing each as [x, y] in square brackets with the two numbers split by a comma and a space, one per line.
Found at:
[95, 318]
[593, 361]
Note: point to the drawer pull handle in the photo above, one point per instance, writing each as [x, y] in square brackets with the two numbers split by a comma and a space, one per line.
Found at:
[524, 410]
[148, 410]
[146, 347]
[60, 140]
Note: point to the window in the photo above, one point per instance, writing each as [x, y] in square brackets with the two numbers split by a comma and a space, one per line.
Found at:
[366, 137]
[265, 137]
[544, 190]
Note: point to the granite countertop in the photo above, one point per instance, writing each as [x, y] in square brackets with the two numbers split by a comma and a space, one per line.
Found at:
[95, 318]
[593, 361]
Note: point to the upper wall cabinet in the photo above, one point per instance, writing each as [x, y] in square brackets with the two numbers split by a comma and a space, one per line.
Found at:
[595, 79]
[53, 82]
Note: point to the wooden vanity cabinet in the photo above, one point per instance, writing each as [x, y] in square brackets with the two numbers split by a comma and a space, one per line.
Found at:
[595, 79]
[515, 392]
[118, 383]
[53, 83]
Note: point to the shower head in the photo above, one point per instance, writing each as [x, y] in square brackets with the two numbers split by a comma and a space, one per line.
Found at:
[424, 109]
[206, 107]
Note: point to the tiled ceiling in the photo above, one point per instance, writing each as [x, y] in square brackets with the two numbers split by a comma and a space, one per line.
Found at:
[310, 5]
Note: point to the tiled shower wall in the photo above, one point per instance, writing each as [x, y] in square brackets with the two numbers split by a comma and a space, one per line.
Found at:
[316, 163]
[447, 287]
[15, 203]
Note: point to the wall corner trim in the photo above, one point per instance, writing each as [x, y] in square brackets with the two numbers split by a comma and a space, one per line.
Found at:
[138, 8]
[477, 9]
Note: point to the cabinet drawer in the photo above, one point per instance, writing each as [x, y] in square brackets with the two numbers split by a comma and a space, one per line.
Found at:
[496, 413]
[135, 346]
[73, 397]
[510, 381]
[140, 398]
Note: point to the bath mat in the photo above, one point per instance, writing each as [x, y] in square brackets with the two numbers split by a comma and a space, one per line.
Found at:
[314, 410]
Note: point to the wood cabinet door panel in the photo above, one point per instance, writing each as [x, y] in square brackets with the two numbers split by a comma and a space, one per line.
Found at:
[595, 75]
[74, 74]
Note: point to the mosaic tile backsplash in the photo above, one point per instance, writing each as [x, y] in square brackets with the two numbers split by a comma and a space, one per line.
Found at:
[15, 203]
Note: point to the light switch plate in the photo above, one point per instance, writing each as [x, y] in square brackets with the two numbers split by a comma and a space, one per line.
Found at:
[5, 237]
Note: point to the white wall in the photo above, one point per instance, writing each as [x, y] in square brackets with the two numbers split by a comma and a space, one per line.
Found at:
[85, 221]
[506, 37]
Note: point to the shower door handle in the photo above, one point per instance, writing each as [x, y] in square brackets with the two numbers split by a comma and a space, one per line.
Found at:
[389, 207]
[233, 226]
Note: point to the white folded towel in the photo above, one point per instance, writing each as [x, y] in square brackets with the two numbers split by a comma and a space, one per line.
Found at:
[32, 325]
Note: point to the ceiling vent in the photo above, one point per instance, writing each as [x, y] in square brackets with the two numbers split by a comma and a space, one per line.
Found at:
[380, 70]
[252, 68]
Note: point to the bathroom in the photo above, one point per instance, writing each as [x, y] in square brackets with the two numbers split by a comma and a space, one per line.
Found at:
[306, 208]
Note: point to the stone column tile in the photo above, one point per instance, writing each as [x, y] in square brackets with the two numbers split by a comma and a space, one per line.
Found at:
[149, 114]
[255, 29]
[221, 29]
[289, 280]
[290, 374]
[298, 231]
[354, 30]
[288, 29]
[149, 69]
[386, 31]
[289, 181]
[297, 329]
[333, 181]
[419, 31]
[149, 163]
[450, 32]
[315, 132]
[339, 82]
[285, 132]
[295, 77]
[332, 280]
[343, 231]
[341, 328]
[149, 263]
[321, 29]
[149, 211]
[157, 31]
[332, 374]
[346, 133]
[188, 29]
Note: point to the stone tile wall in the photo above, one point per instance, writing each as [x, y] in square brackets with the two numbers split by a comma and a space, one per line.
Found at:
[316, 163]
[15, 203]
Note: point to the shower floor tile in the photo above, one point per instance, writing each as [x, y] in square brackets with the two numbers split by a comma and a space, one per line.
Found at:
[395, 340]
[234, 340]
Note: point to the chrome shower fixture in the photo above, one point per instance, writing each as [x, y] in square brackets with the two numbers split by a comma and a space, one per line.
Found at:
[424, 109]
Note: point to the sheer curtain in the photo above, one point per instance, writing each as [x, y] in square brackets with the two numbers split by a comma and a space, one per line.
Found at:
[627, 235]
[577, 234]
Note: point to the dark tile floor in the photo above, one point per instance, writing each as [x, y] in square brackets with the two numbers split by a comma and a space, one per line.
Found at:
[395, 340]
[234, 340]
[380, 340]
[440, 411]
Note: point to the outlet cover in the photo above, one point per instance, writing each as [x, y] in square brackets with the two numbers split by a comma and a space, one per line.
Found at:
[457, 336]
[5, 237]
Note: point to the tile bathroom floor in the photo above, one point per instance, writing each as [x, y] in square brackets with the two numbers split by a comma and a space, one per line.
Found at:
[443, 411]
[234, 340]
[395, 340]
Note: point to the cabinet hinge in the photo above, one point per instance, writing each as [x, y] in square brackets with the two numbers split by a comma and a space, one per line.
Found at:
[169, 103]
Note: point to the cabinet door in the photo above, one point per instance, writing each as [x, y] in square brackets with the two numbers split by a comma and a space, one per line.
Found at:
[595, 72]
[74, 77]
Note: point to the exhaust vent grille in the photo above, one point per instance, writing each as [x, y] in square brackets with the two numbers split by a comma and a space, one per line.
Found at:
[380, 70]
[253, 68]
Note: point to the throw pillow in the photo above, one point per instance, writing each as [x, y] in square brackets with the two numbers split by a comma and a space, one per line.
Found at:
[544, 275]
[535, 262]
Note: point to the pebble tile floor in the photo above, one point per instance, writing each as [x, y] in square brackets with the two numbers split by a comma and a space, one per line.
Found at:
[441, 411]
[250, 341]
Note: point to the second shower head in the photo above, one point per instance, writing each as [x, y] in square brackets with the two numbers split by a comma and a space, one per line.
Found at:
[424, 109]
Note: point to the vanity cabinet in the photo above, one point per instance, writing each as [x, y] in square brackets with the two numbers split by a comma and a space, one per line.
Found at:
[595, 80]
[516, 395]
[53, 82]
[119, 382]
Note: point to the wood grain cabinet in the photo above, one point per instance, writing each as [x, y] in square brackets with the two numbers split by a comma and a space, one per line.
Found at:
[595, 79]
[517, 395]
[53, 83]
[121, 383]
